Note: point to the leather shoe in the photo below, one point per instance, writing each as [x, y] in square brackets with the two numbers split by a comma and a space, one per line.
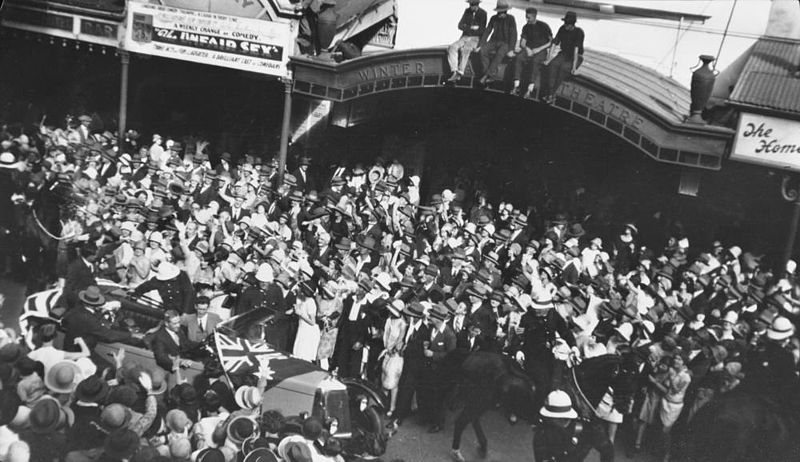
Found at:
[435, 429]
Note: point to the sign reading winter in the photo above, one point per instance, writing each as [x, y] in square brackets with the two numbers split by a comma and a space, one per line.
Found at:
[228, 41]
[768, 141]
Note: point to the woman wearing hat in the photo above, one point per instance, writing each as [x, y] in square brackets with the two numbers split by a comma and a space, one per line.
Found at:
[308, 336]
[330, 309]
[394, 333]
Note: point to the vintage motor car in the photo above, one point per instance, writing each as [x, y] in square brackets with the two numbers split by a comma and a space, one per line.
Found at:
[295, 387]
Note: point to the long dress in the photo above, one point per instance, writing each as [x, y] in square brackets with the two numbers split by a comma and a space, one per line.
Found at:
[327, 340]
[307, 340]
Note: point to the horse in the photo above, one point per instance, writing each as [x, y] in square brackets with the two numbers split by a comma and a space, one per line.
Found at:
[744, 425]
[486, 378]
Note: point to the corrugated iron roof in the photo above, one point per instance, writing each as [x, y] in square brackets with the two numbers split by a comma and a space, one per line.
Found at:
[658, 93]
[767, 79]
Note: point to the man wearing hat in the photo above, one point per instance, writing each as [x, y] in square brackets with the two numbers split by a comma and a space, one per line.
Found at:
[82, 321]
[498, 40]
[174, 287]
[80, 274]
[267, 295]
[304, 181]
[570, 40]
[774, 363]
[432, 388]
[558, 438]
[472, 25]
[357, 315]
[536, 335]
[417, 334]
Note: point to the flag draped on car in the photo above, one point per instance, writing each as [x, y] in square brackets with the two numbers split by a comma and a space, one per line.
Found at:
[240, 356]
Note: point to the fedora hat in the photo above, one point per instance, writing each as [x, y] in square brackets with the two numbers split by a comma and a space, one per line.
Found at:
[121, 444]
[575, 230]
[558, 405]
[92, 389]
[92, 296]
[240, 428]
[63, 376]
[502, 5]
[367, 242]
[216, 455]
[414, 310]
[47, 416]
[439, 312]
[570, 17]
[396, 306]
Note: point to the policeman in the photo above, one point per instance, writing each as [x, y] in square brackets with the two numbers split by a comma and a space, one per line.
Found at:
[775, 358]
[537, 331]
[557, 439]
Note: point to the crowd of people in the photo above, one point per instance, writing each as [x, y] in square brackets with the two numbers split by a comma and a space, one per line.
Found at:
[365, 278]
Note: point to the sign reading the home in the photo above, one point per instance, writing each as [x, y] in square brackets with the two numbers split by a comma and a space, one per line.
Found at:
[767, 141]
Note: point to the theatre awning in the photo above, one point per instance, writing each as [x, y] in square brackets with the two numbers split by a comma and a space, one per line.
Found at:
[769, 82]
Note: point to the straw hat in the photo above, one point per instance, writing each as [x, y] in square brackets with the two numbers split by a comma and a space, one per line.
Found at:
[63, 376]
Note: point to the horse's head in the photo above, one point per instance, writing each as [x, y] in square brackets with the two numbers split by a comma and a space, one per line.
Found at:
[618, 371]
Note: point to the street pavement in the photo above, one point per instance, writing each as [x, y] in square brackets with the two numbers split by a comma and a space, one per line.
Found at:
[507, 443]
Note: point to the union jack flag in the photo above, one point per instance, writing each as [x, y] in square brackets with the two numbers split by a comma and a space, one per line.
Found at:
[240, 356]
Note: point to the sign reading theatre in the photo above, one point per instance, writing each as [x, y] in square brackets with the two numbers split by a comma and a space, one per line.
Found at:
[228, 41]
[768, 141]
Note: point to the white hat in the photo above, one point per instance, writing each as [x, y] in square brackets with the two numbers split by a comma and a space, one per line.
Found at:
[625, 330]
[248, 397]
[156, 236]
[128, 225]
[542, 302]
[780, 329]
[731, 317]
[558, 406]
[736, 251]
[683, 243]
[166, 271]
[384, 280]
[265, 273]
[791, 266]
[448, 195]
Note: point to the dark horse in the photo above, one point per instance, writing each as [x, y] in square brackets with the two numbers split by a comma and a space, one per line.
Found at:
[485, 379]
[746, 425]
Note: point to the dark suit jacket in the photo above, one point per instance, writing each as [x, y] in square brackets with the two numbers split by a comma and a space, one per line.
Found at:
[79, 277]
[442, 343]
[351, 332]
[413, 355]
[163, 347]
[193, 328]
[462, 342]
[176, 293]
[80, 322]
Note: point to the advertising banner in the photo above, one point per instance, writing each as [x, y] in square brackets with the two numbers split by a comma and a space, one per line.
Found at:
[768, 141]
[228, 41]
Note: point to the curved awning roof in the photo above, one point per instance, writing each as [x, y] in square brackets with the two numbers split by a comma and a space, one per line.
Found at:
[632, 101]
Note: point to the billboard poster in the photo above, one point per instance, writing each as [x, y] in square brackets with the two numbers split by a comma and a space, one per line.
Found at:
[220, 40]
